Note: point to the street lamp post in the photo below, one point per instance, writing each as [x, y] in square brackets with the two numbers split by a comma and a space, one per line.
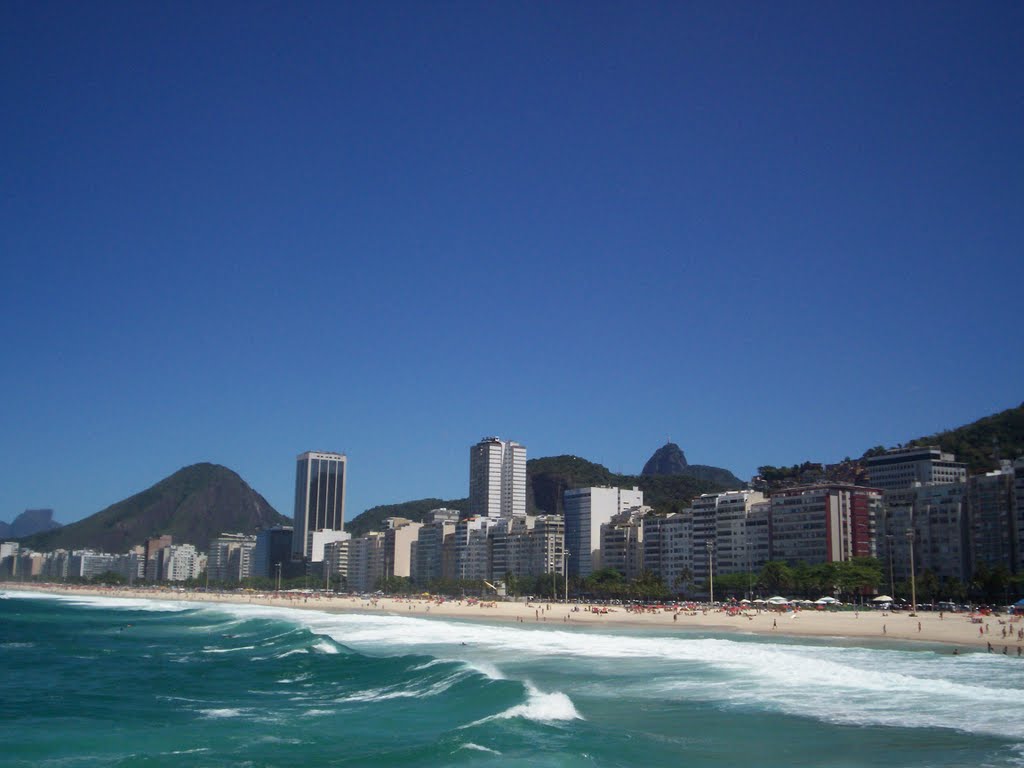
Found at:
[278, 564]
[913, 583]
[565, 572]
[892, 581]
[711, 570]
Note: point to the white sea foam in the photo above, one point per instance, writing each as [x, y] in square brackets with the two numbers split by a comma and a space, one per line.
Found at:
[293, 652]
[317, 712]
[415, 691]
[539, 707]
[325, 647]
[229, 650]
[477, 747]
[99, 601]
[221, 713]
[850, 685]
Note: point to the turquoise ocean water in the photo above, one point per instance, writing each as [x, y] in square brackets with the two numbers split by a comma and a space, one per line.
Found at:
[107, 682]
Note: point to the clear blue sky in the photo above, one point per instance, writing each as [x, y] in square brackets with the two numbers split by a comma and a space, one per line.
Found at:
[232, 232]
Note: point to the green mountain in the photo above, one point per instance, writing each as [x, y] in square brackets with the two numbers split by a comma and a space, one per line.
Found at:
[546, 480]
[417, 511]
[670, 460]
[983, 442]
[978, 444]
[194, 505]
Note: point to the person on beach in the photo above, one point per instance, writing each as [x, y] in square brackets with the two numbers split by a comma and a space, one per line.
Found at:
[884, 630]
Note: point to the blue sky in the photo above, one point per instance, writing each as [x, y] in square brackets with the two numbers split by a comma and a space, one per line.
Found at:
[233, 232]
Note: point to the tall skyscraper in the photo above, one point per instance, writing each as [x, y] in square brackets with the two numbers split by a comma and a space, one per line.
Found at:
[319, 498]
[497, 478]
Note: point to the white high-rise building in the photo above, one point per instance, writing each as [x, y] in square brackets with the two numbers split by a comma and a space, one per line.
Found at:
[497, 478]
[586, 509]
[319, 499]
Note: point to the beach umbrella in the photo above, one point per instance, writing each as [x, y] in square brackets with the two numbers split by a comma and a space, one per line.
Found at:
[759, 601]
[882, 599]
[744, 601]
[778, 600]
[825, 601]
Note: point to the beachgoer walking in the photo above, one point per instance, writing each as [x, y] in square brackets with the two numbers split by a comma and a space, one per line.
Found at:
[884, 630]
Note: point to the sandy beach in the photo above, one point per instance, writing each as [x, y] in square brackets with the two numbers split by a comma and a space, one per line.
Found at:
[958, 630]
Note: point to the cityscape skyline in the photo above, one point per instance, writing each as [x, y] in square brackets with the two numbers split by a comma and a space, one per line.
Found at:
[789, 223]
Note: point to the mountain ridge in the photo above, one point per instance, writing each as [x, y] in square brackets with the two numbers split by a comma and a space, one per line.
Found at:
[194, 505]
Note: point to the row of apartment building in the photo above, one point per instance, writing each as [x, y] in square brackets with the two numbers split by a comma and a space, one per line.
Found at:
[919, 497]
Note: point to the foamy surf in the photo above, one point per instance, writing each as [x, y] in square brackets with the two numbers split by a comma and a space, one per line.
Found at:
[539, 706]
[477, 748]
[223, 712]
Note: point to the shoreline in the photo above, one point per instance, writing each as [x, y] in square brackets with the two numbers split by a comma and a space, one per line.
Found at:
[971, 632]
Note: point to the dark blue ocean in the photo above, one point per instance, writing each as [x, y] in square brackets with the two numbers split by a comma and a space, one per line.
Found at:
[107, 682]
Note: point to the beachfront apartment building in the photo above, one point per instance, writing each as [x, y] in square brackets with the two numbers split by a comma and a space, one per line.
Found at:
[432, 552]
[473, 548]
[182, 562]
[1018, 503]
[586, 510]
[365, 562]
[936, 514]
[994, 535]
[902, 468]
[399, 536]
[824, 523]
[230, 558]
[335, 567]
[622, 542]
[497, 478]
[719, 530]
[273, 548]
[320, 479]
[668, 549]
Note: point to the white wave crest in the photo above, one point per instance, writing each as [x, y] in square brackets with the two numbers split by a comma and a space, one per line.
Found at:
[170, 605]
[539, 707]
[229, 650]
[325, 647]
[410, 692]
[220, 713]
[477, 747]
[292, 652]
[831, 683]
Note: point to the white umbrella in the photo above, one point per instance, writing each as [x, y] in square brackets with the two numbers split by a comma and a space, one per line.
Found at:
[825, 601]
[778, 600]
[744, 600]
[759, 601]
[882, 599]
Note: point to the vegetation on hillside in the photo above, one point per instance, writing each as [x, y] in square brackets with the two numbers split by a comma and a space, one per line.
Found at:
[548, 478]
[979, 443]
[417, 511]
[194, 505]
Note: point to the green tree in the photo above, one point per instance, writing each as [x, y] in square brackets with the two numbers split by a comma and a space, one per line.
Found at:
[775, 577]
[927, 586]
